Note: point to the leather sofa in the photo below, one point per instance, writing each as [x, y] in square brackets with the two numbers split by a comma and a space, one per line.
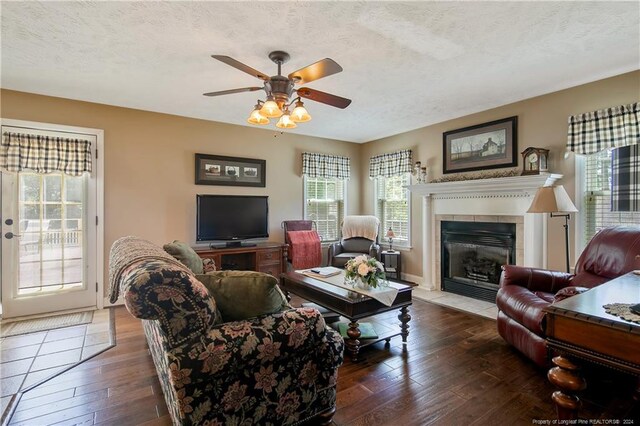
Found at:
[346, 249]
[525, 292]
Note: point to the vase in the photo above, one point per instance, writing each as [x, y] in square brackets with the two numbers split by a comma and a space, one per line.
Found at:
[361, 284]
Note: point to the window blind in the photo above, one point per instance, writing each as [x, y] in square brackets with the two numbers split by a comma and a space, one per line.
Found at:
[325, 205]
[392, 205]
[597, 201]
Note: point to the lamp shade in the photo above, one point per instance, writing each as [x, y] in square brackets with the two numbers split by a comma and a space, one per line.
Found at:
[270, 109]
[257, 118]
[285, 122]
[390, 233]
[552, 199]
[299, 113]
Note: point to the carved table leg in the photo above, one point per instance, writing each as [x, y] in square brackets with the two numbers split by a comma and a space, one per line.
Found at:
[404, 318]
[565, 376]
[353, 344]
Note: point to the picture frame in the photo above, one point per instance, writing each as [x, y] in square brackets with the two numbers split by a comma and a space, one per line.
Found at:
[230, 171]
[491, 145]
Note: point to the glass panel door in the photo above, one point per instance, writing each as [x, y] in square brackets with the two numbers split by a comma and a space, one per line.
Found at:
[48, 243]
[50, 211]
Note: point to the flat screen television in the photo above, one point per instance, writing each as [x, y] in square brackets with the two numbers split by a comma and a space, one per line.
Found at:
[231, 218]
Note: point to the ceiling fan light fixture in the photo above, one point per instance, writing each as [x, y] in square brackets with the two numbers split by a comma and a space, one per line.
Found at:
[270, 109]
[285, 122]
[300, 113]
[256, 118]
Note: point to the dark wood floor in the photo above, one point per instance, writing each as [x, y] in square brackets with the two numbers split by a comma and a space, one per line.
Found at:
[456, 371]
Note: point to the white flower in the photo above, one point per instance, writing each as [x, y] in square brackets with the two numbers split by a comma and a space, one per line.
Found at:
[363, 269]
[379, 266]
[360, 259]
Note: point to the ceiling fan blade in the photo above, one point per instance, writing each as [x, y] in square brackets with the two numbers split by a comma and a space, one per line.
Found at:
[320, 69]
[228, 92]
[325, 98]
[242, 67]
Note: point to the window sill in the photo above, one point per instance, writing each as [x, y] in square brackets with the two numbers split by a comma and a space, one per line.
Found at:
[385, 247]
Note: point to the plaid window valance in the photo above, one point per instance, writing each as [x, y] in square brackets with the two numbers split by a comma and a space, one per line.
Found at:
[625, 179]
[325, 166]
[595, 131]
[44, 154]
[390, 164]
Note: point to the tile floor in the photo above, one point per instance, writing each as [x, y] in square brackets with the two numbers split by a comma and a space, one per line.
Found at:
[463, 303]
[30, 358]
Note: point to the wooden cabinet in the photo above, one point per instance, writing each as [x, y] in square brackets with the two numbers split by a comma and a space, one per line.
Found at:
[269, 258]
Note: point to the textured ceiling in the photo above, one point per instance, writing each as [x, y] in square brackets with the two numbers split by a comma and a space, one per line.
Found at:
[406, 65]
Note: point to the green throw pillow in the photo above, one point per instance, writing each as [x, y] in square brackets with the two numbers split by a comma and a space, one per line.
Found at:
[186, 255]
[242, 295]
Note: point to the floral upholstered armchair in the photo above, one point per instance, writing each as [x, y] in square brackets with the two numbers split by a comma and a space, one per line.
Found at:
[275, 368]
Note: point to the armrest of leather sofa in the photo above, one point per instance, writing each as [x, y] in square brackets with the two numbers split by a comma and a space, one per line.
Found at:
[334, 249]
[252, 344]
[535, 279]
[374, 250]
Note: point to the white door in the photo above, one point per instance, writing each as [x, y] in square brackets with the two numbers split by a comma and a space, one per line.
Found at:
[49, 237]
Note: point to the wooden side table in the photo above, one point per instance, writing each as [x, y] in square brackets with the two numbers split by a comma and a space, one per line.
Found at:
[392, 264]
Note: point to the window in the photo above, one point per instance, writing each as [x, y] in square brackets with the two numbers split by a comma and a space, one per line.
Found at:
[597, 197]
[392, 207]
[324, 204]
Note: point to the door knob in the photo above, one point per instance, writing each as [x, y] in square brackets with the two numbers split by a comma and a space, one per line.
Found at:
[10, 235]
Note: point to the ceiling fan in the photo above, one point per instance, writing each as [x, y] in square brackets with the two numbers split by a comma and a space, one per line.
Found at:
[279, 89]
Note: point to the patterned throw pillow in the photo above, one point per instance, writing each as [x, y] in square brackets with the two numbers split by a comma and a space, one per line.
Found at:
[185, 254]
[241, 295]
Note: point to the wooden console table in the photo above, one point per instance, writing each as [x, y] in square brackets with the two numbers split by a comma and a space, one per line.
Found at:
[269, 258]
[579, 327]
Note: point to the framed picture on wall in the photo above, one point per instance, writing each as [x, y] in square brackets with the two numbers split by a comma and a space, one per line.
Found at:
[230, 171]
[485, 146]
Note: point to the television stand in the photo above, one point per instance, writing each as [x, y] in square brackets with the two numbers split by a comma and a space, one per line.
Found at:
[231, 244]
[269, 258]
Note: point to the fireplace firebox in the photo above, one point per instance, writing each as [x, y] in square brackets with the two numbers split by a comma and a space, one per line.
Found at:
[472, 254]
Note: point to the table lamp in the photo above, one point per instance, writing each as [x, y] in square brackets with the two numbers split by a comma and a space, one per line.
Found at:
[390, 236]
[554, 199]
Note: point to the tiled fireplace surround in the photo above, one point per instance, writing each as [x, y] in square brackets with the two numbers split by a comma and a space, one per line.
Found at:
[485, 200]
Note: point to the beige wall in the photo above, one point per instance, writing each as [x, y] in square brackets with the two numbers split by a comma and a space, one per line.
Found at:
[149, 158]
[149, 164]
[542, 122]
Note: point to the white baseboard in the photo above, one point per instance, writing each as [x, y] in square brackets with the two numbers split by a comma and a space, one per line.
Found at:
[412, 278]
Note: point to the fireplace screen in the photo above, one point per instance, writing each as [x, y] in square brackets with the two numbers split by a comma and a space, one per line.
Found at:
[472, 256]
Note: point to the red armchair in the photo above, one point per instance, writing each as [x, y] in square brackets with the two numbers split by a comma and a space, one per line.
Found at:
[525, 292]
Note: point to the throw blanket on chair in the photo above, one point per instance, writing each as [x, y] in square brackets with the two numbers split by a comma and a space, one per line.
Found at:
[128, 250]
[360, 226]
[305, 249]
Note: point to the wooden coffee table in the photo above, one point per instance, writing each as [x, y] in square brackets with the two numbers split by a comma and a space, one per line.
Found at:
[351, 305]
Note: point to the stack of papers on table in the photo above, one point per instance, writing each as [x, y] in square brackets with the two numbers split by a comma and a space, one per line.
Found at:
[327, 271]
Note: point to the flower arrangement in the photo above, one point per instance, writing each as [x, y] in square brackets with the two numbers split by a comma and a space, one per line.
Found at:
[366, 269]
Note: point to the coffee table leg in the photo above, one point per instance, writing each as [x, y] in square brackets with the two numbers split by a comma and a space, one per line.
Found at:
[353, 344]
[404, 318]
[566, 376]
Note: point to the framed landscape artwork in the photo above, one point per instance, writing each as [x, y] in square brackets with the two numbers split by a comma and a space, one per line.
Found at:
[230, 171]
[485, 146]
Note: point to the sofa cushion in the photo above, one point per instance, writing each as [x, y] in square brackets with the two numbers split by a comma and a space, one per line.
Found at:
[185, 254]
[356, 245]
[241, 295]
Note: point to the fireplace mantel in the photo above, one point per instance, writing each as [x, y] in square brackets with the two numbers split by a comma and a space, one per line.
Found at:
[493, 185]
[505, 197]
